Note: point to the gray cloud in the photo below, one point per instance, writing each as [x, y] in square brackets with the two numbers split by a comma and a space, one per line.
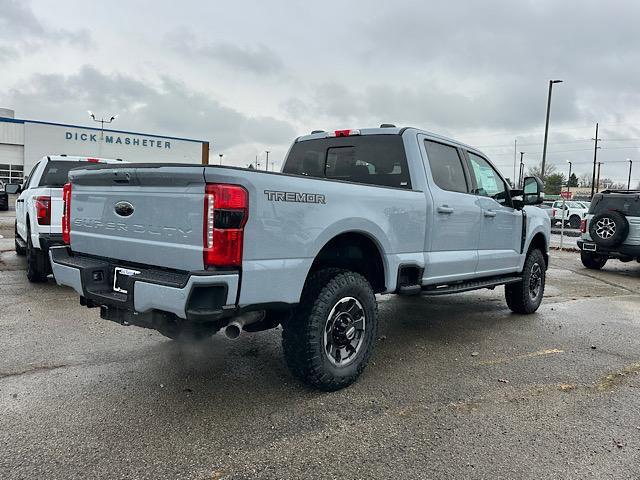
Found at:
[169, 107]
[259, 59]
[21, 31]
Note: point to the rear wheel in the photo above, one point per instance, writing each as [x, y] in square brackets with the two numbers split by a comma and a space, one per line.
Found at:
[592, 260]
[20, 250]
[609, 229]
[36, 262]
[574, 221]
[526, 295]
[329, 339]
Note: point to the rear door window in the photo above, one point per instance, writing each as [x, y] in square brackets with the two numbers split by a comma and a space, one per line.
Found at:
[446, 167]
[56, 173]
[369, 159]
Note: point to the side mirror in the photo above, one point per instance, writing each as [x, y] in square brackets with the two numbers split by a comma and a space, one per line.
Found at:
[533, 191]
[13, 188]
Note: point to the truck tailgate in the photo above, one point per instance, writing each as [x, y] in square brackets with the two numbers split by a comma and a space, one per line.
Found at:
[149, 215]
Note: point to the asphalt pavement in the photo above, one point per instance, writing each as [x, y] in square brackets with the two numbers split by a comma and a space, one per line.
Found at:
[459, 387]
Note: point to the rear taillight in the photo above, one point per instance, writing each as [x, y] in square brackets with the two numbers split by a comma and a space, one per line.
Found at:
[66, 214]
[43, 210]
[93, 160]
[226, 208]
[583, 225]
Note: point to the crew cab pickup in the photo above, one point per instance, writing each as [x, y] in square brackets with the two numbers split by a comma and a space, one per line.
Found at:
[190, 250]
[39, 210]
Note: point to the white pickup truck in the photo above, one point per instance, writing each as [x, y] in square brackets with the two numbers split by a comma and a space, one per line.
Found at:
[39, 210]
[574, 212]
[191, 249]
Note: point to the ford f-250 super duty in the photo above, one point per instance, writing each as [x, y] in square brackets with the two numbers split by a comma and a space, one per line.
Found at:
[189, 250]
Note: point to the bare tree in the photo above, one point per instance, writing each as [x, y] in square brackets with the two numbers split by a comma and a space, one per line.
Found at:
[549, 169]
[585, 180]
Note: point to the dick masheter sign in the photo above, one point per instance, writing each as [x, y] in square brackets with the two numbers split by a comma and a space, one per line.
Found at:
[118, 140]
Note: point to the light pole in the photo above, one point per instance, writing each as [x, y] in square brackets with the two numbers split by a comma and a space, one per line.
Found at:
[569, 177]
[267, 165]
[221, 155]
[595, 157]
[598, 178]
[521, 174]
[546, 128]
[629, 181]
[102, 121]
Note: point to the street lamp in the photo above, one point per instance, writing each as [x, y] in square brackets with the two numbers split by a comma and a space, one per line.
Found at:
[521, 175]
[221, 155]
[629, 181]
[102, 121]
[598, 178]
[546, 127]
[569, 177]
[267, 165]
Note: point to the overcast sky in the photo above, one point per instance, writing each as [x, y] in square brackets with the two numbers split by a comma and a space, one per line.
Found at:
[251, 76]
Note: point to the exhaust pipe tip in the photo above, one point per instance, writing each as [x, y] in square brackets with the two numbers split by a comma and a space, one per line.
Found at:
[232, 331]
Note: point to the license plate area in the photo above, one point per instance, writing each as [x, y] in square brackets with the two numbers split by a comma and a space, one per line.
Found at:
[589, 247]
[122, 279]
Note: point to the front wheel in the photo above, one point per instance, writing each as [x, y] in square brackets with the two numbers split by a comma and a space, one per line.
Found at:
[329, 339]
[526, 295]
[592, 261]
[20, 250]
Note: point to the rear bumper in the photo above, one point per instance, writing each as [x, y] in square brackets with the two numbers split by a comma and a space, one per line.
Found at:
[202, 296]
[619, 251]
[48, 240]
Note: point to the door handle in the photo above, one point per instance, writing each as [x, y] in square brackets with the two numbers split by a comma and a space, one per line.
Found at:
[444, 209]
[489, 213]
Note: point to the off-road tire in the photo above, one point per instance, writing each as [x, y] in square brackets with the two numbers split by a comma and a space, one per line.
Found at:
[303, 334]
[36, 262]
[592, 260]
[620, 227]
[519, 296]
[20, 250]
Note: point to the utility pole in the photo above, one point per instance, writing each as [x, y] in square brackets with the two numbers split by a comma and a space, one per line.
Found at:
[521, 175]
[546, 128]
[598, 180]
[267, 165]
[595, 158]
[629, 181]
[569, 178]
[515, 160]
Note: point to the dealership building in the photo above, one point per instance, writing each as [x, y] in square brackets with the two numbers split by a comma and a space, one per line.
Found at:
[24, 142]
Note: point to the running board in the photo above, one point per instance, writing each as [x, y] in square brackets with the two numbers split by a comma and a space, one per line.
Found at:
[467, 286]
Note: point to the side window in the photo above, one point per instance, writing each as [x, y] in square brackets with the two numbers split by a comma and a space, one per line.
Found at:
[446, 167]
[488, 181]
[29, 179]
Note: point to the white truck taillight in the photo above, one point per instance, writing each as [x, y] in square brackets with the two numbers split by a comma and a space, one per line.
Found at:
[583, 225]
[66, 213]
[226, 208]
[43, 210]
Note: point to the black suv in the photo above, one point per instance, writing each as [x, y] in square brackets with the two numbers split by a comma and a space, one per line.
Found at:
[611, 229]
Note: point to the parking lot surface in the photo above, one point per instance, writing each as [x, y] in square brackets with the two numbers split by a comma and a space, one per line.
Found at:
[458, 387]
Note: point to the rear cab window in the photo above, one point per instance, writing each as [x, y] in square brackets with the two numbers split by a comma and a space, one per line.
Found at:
[56, 173]
[368, 159]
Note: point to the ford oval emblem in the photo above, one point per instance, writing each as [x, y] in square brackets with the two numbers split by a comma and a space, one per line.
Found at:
[123, 209]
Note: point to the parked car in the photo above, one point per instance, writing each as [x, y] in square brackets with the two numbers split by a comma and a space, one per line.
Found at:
[4, 197]
[611, 229]
[189, 250]
[38, 223]
[573, 213]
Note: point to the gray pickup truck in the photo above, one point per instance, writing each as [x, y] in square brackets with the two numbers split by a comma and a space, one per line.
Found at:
[191, 249]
